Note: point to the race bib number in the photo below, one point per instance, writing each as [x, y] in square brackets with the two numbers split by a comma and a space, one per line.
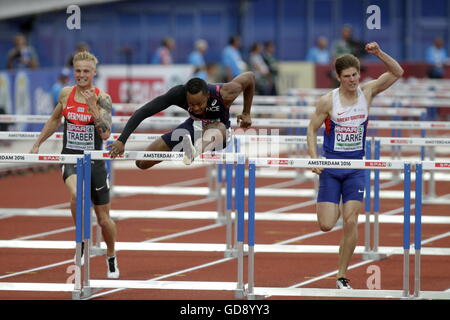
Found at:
[348, 138]
[80, 137]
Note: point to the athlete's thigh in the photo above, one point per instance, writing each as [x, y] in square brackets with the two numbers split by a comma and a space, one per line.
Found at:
[173, 139]
[330, 187]
[328, 198]
[327, 214]
[69, 173]
[353, 186]
[99, 183]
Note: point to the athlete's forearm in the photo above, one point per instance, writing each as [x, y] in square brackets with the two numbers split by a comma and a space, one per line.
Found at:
[147, 110]
[391, 64]
[249, 91]
[50, 127]
[103, 122]
[311, 139]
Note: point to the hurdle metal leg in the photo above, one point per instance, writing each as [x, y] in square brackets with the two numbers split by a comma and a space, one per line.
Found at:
[76, 294]
[417, 230]
[368, 203]
[406, 229]
[240, 205]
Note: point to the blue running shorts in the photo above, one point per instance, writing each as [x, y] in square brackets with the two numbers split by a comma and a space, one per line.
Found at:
[334, 183]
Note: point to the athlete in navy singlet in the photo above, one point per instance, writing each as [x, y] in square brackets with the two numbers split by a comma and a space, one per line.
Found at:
[208, 107]
[344, 111]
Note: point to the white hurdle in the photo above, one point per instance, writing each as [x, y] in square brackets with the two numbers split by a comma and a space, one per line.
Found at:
[254, 292]
[84, 286]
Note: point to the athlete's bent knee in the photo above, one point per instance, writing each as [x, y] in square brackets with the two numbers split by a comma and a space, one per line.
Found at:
[325, 227]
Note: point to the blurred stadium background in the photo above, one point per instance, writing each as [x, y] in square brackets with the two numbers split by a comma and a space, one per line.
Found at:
[125, 34]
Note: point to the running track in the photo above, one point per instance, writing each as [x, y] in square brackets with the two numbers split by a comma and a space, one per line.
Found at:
[278, 270]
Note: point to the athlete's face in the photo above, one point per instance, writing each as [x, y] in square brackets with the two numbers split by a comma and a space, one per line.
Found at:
[197, 102]
[85, 72]
[349, 78]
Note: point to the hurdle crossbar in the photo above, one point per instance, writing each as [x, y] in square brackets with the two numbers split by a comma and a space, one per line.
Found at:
[314, 163]
[210, 215]
[257, 122]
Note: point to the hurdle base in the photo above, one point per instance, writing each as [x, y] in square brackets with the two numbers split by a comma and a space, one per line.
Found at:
[97, 251]
[221, 219]
[76, 295]
[252, 296]
[240, 293]
[84, 293]
[372, 255]
[233, 253]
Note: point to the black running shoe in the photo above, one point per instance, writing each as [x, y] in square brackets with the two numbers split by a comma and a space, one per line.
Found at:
[113, 269]
[342, 283]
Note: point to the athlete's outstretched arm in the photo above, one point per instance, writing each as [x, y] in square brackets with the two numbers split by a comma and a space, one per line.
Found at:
[160, 103]
[50, 126]
[245, 83]
[316, 121]
[395, 71]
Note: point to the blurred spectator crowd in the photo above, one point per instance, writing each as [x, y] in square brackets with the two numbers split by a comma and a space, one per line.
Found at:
[260, 58]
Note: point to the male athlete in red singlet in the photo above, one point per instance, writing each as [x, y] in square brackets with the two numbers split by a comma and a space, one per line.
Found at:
[87, 122]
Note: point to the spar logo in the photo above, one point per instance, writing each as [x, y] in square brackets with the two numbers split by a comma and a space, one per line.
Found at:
[278, 162]
[399, 141]
[50, 158]
[211, 156]
[439, 125]
[442, 165]
[377, 164]
[106, 155]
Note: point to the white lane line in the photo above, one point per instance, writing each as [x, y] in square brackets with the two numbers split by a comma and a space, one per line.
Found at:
[206, 265]
[293, 206]
[54, 206]
[183, 233]
[187, 182]
[62, 230]
[44, 234]
[57, 264]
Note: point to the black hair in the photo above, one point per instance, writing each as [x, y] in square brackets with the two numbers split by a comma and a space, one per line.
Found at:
[233, 39]
[195, 85]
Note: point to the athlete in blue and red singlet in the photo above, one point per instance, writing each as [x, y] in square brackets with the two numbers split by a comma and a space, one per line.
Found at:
[208, 107]
[87, 122]
[345, 111]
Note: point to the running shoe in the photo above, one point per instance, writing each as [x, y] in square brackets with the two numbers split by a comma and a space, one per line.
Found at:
[189, 150]
[112, 268]
[342, 283]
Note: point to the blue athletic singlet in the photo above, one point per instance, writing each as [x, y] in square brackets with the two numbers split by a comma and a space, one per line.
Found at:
[345, 129]
[344, 138]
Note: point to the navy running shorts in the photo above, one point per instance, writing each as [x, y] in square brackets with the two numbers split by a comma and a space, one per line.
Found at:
[337, 183]
[99, 180]
[175, 137]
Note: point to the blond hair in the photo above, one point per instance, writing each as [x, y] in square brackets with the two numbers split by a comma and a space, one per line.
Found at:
[84, 55]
